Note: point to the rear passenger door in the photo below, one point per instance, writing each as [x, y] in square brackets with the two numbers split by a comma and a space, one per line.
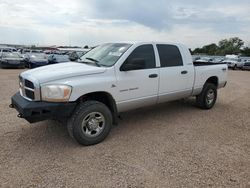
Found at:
[176, 78]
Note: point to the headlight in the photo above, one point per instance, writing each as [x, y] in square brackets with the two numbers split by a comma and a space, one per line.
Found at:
[56, 93]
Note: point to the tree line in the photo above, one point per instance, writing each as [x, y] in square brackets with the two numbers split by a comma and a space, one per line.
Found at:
[226, 46]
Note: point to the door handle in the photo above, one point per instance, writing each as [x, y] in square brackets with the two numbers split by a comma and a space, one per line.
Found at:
[184, 72]
[224, 69]
[153, 76]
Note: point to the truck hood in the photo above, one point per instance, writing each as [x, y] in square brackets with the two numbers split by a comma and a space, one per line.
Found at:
[61, 71]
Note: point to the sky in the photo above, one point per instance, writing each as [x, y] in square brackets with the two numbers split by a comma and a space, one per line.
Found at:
[91, 22]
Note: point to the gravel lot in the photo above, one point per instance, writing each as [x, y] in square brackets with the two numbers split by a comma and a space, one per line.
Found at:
[169, 145]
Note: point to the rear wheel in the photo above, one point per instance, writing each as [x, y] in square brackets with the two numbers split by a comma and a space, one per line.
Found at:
[207, 98]
[91, 123]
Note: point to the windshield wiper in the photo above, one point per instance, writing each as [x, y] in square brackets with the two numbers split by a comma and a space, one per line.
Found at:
[94, 60]
[91, 59]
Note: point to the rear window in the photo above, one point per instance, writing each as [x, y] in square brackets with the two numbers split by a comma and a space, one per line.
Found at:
[170, 55]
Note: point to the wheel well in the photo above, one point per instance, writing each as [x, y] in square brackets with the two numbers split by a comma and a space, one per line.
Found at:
[104, 98]
[213, 80]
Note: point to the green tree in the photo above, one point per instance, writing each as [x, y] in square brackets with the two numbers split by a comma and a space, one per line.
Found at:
[210, 49]
[246, 51]
[230, 46]
[198, 51]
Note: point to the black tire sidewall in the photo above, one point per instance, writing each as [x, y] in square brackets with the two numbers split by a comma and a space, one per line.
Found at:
[81, 114]
[206, 89]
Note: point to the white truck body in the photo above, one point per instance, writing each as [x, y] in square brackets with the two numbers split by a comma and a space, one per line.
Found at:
[111, 79]
[132, 89]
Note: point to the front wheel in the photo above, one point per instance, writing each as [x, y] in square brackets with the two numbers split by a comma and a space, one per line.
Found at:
[91, 123]
[207, 98]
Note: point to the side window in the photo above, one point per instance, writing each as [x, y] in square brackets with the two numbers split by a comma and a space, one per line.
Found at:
[143, 57]
[170, 55]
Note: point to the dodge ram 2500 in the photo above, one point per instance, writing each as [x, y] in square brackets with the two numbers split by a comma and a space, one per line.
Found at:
[113, 78]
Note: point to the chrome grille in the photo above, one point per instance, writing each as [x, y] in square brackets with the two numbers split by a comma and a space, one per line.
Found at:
[29, 84]
[27, 89]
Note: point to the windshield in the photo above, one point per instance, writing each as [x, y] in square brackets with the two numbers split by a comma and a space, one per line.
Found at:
[232, 59]
[106, 54]
[11, 55]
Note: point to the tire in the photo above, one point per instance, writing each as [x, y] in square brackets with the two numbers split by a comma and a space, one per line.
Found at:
[207, 98]
[90, 123]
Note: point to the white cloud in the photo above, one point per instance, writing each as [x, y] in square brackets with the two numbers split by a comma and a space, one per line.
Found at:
[75, 22]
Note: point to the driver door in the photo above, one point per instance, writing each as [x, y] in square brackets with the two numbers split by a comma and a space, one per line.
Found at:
[138, 79]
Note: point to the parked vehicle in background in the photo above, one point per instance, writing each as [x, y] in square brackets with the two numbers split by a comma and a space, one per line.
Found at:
[11, 60]
[233, 61]
[7, 49]
[74, 56]
[114, 78]
[51, 52]
[33, 60]
[205, 60]
[218, 60]
[55, 58]
[29, 51]
[246, 65]
[74, 53]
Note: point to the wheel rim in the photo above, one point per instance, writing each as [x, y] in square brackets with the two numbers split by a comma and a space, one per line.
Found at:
[210, 96]
[93, 124]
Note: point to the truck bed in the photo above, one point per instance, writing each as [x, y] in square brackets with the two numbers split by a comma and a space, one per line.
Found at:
[205, 70]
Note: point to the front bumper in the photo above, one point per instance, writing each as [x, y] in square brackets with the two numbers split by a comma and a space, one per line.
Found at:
[230, 65]
[34, 111]
[246, 67]
[38, 64]
[5, 64]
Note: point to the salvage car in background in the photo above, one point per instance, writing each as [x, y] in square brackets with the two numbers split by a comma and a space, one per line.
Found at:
[55, 58]
[204, 59]
[246, 65]
[11, 60]
[33, 60]
[74, 53]
[74, 56]
[7, 49]
[233, 62]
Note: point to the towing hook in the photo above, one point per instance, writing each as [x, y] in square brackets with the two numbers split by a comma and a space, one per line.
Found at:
[20, 116]
[11, 106]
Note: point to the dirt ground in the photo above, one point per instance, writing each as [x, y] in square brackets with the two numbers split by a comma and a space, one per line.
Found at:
[169, 145]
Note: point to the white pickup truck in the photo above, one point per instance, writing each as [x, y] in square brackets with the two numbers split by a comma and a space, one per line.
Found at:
[113, 78]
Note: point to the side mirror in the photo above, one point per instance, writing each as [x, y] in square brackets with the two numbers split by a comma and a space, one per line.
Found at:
[133, 64]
